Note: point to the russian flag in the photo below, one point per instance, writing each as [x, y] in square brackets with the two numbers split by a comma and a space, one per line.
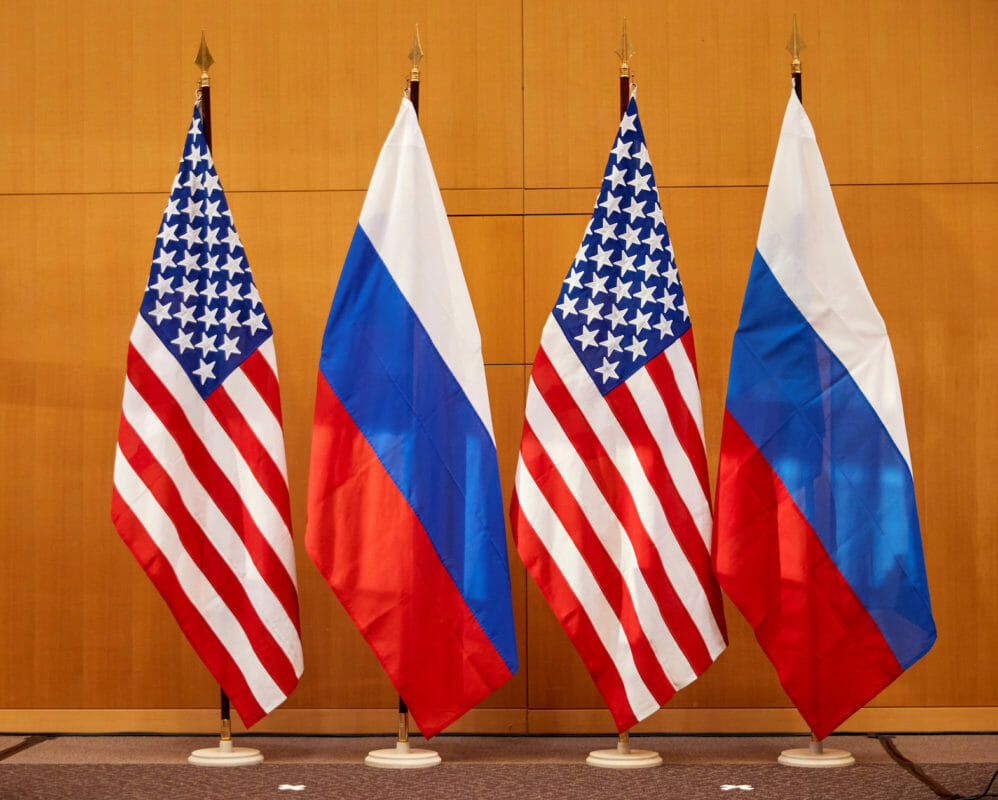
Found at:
[817, 538]
[405, 512]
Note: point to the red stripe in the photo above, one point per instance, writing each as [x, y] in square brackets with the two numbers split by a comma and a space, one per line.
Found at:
[257, 370]
[563, 601]
[259, 459]
[681, 522]
[215, 482]
[216, 570]
[618, 496]
[683, 422]
[209, 649]
[374, 553]
[691, 354]
[829, 653]
[604, 569]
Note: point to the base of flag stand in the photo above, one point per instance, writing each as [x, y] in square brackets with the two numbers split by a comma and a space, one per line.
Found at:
[402, 757]
[624, 757]
[225, 755]
[816, 756]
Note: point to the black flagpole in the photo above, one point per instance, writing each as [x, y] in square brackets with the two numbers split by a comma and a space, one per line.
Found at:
[204, 60]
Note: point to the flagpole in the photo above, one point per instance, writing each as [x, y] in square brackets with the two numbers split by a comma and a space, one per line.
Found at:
[815, 754]
[623, 757]
[402, 756]
[225, 755]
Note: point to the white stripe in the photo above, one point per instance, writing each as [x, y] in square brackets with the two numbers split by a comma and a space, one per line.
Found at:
[686, 380]
[573, 566]
[802, 240]
[229, 460]
[215, 613]
[681, 469]
[611, 534]
[404, 217]
[213, 524]
[260, 419]
[613, 438]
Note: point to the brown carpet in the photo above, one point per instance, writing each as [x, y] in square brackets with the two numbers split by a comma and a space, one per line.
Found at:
[484, 781]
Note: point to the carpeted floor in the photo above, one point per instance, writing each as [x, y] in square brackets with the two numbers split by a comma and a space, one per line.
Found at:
[150, 767]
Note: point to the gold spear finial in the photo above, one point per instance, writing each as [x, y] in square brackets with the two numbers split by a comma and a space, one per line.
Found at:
[204, 60]
[794, 46]
[415, 54]
[624, 52]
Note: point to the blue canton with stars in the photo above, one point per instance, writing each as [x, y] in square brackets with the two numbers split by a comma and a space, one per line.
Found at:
[201, 299]
[622, 303]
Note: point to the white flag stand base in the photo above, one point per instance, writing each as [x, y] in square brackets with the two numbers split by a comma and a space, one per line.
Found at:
[225, 755]
[816, 756]
[402, 757]
[624, 757]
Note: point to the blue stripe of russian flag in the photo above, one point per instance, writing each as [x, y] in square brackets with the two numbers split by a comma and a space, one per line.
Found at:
[427, 435]
[850, 481]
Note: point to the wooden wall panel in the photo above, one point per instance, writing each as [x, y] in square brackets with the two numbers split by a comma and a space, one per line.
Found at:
[518, 110]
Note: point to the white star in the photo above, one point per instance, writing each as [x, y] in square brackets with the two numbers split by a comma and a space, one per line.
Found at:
[232, 240]
[192, 236]
[622, 289]
[606, 230]
[627, 123]
[233, 265]
[612, 344]
[650, 268]
[592, 311]
[161, 312]
[185, 315]
[230, 347]
[616, 317]
[631, 236]
[211, 210]
[211, 184]
[567, 306]
[621, 150]
[640, 183]
[657, 215]
[188, 288]
[597, 285]
[183, 341]
[635, 209]
[608, 370]
[640, 321]
[162, 285]
[176, 180]
[654, 242]
[168, 233]
[581, 254]
[231, 318]
[210, 236]
[209, 317]
[616, 177]
[255, 322]
[587, 338]
[231, 293]
[642, 155]
[252, 295]
[205, 371]
[192, 209]
[668, 301]
[682, 307]
[171, 209]
[190, 260]
[210, 290]
[602, 258]
[663, 326]
[193, 157]
[626, 262]
[671, 274]
[206, 345]
[211, 265]
[636, 349]
[611, 203]
[164, 260]
[574, 279]
[194, 184]
[646, 294]
[194, 130]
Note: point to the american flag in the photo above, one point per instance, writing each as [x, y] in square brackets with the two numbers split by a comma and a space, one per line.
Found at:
[200, 482]
[611, 510]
